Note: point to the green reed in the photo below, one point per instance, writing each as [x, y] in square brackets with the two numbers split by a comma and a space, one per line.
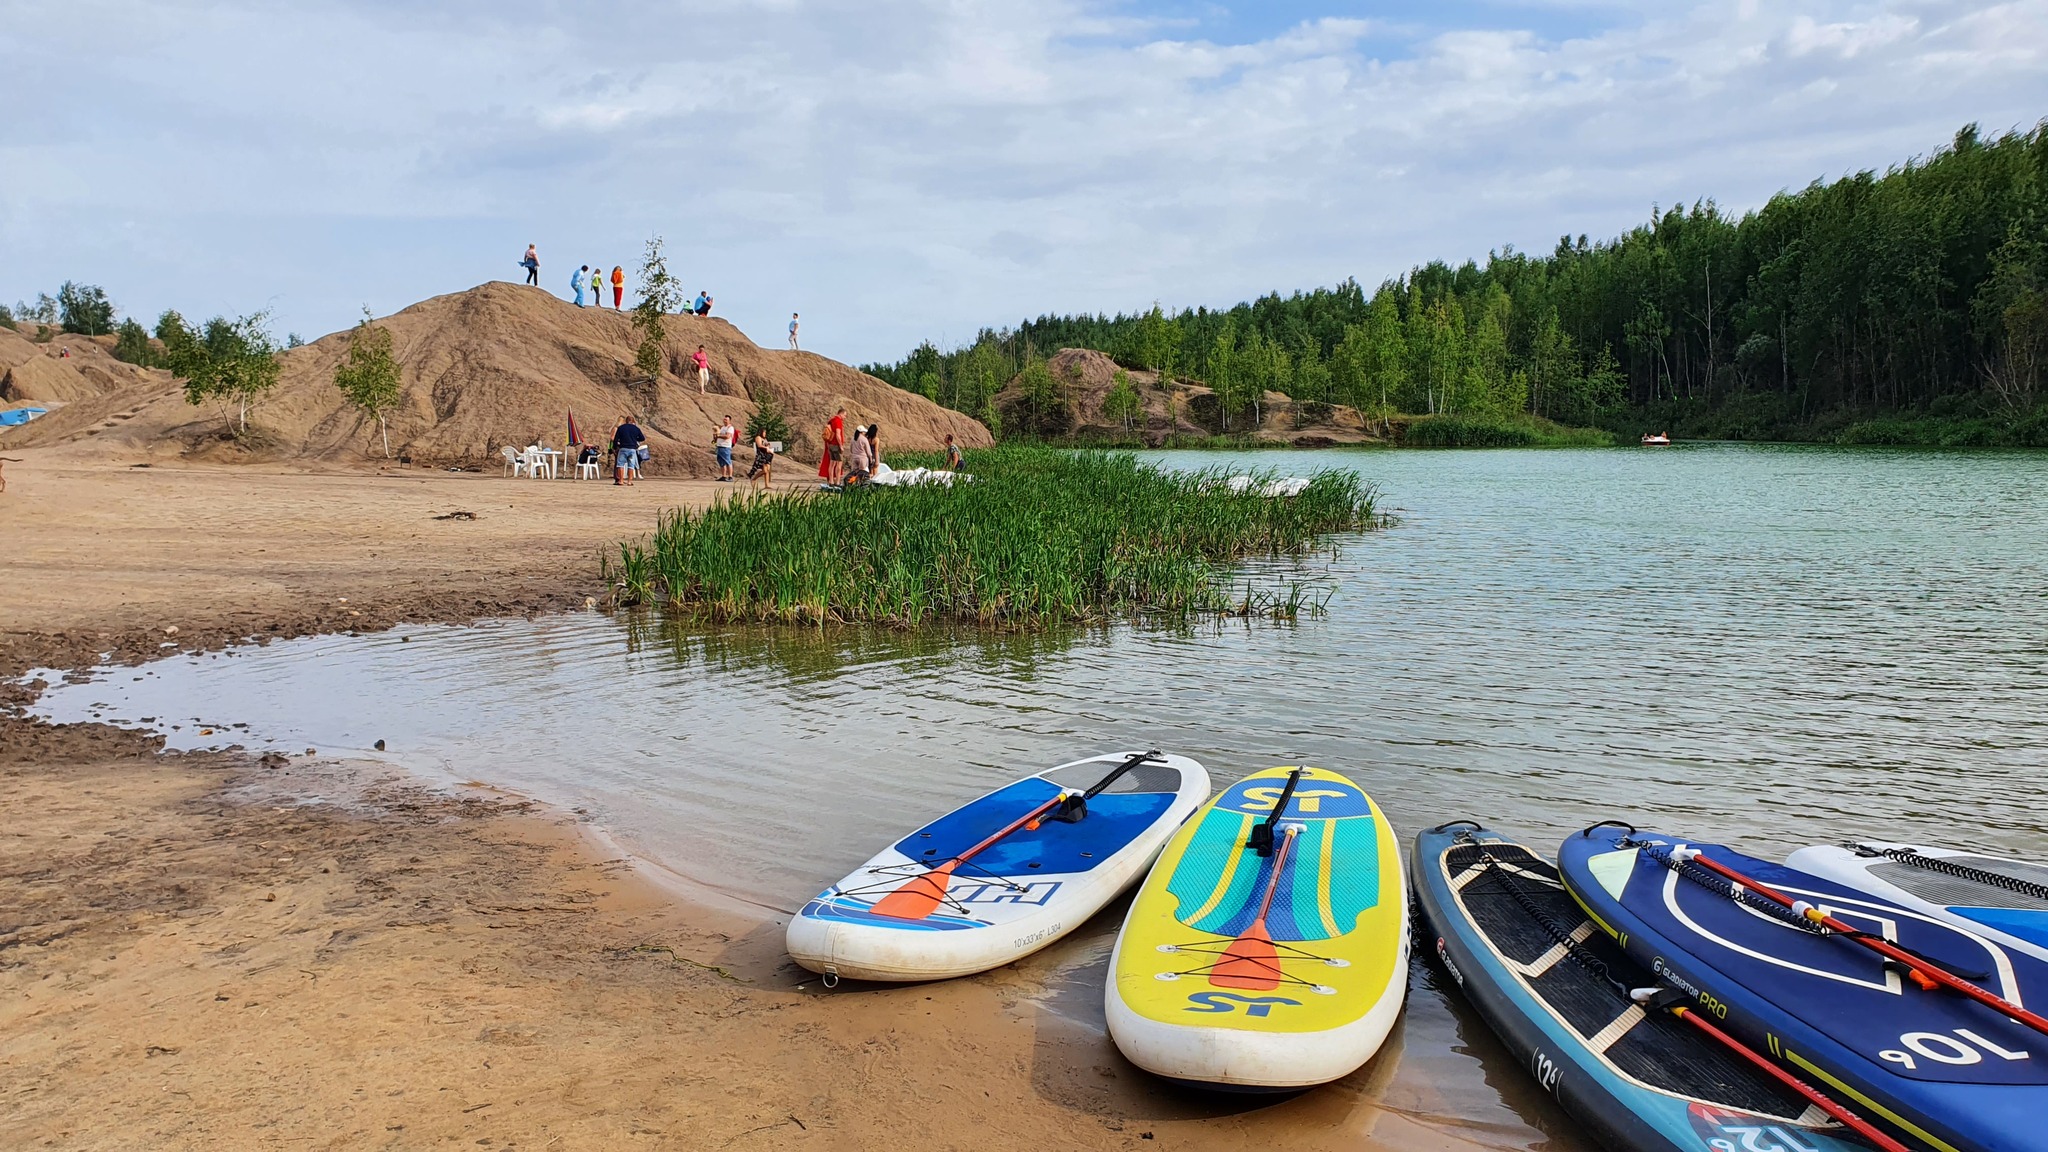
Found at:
[1039, 537]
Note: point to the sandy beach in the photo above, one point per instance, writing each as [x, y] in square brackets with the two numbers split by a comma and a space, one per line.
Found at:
[198, 957]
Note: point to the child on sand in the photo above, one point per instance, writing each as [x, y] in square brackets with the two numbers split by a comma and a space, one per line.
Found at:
[618, 286]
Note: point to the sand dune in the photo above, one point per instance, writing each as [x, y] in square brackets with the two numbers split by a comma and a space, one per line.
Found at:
[500, 364]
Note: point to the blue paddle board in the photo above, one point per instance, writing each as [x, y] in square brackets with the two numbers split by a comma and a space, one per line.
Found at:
[1935, 1068]
[1492, 912]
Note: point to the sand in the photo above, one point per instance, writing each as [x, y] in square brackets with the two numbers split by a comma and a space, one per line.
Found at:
[193, 955]
[496, 366]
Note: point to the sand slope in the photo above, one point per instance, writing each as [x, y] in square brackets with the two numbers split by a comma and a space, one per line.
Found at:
[501, 364]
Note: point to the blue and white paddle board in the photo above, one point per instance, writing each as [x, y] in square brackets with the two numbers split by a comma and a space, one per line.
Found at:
[1491, 913]
[1014, 897]
[1995, 896]
[1937, 1069]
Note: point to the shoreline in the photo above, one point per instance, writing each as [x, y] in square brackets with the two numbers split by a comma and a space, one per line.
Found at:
[218, 950]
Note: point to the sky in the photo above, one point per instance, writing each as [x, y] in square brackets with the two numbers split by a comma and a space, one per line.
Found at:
[901, 170]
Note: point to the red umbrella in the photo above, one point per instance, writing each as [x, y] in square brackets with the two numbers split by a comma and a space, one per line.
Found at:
[575, 437]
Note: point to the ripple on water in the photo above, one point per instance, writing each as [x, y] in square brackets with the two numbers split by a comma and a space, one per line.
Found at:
[1765, 645]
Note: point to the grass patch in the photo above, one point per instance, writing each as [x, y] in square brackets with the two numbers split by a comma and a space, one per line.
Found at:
[1040, 537]
[1499, 432]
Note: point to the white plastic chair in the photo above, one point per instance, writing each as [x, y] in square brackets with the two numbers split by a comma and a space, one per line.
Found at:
[536, 465]
[586, 469]
[515, 463]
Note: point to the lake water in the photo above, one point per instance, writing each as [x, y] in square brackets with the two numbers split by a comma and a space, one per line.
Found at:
[1769, 646]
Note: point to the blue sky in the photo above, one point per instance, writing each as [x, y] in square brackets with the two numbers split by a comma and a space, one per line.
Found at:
[903, 169]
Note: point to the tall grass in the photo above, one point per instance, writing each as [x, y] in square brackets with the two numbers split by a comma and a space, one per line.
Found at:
[1039, 537]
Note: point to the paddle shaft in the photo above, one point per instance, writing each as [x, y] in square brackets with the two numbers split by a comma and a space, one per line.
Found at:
[921, 895]
[1251, 961]
[1273, 881]
[1883, 947]
[1861, 1126]
[1012, 826]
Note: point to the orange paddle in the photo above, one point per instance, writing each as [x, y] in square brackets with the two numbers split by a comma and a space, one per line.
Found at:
[922, 894]
[1251, 961]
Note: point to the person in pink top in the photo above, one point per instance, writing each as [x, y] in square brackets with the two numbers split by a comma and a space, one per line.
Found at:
[703, 364]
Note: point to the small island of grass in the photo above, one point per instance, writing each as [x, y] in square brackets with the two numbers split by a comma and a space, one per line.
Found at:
[1038, 537]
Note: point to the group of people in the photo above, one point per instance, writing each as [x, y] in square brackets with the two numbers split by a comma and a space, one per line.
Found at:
[847, 459]
[588, 285]
[857, 458]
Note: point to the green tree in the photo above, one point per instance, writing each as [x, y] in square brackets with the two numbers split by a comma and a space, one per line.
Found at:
[1158, 340]
[84, 309]
[768, 418]
[659, 296]
[231, 363]
[1226, 379]
[368, 374]
[2012, 314]
[1489, 384]
[131, 343]
[1044, 400]
[1122, 403]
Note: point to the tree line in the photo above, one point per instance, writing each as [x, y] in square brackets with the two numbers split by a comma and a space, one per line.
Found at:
[1919, 291]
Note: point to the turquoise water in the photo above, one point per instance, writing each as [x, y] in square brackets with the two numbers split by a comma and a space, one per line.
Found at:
[1770, 646]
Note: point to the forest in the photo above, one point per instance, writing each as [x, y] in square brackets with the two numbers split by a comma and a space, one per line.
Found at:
[1906, 307]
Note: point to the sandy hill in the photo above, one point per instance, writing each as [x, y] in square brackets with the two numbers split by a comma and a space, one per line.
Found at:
[1179, 407]
[501, 364]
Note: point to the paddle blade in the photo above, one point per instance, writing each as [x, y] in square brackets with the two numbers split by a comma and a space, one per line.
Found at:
[918, 898]
[1250, 962]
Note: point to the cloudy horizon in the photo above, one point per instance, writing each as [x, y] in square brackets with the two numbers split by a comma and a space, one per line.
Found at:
[912, 170]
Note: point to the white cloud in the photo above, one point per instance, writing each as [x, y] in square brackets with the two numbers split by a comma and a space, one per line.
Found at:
[905, 168]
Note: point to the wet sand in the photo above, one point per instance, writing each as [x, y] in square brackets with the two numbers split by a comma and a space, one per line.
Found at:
[193, 955]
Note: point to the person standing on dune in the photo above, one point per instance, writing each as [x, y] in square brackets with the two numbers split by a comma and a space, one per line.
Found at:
[578, 280]
[703, 364]
[792, 332]
[597, 286]
[532, 265]
[618, 286]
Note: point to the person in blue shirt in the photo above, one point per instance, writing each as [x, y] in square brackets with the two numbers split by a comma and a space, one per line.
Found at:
[626, 443]
[703, 305]
[577, 280]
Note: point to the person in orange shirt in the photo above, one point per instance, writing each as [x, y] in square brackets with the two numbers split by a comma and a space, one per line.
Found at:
[618, 286]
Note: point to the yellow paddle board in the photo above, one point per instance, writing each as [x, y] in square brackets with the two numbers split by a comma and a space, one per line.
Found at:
[1248, 970]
